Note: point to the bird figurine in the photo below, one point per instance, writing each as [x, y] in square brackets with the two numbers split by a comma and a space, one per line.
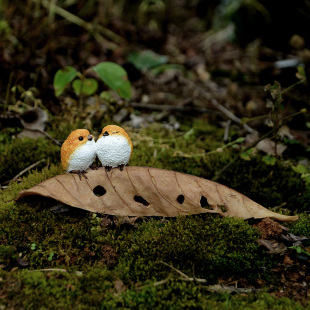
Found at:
[114, 147]
[78, 152]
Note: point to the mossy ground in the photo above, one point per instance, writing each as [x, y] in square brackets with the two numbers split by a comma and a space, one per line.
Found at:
[77, 260]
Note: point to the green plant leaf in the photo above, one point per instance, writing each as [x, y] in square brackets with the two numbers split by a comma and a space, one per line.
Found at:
[246, 155]
[146, 60]
[269, 160]
[107, 96]
[115, 77]
[301, 72]
[50, 258]
[189, 134]
[62, 78]
[165, 67]
[85, 87]
[300, 169]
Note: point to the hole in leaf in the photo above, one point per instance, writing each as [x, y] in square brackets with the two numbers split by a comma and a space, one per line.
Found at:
[204, 203]
[223, 208]
[99, 191]
[140, 199]
[180, 199]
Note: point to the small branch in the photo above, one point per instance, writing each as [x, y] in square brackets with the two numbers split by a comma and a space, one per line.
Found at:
[78, 273]
[226, 133]
[50, 269]
[206, 96]
[27, 169]
[184, 276]
[162, 281]
[166, 107]
[45, 134]
[96, 30]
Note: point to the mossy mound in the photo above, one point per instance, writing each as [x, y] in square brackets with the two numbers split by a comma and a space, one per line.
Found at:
[270, 186]
[201, 246]
[21, 153]
[99, 289]
[302, 227]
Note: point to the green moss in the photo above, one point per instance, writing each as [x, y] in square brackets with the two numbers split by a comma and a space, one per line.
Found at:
[96, 289]
[268, 185]
[57, 289]
[7, 196]
[302, 227]
[161, 148]
[21, 153]
[206, 247]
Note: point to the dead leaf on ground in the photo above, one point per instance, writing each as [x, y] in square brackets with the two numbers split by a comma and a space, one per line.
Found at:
[143, 191]
[274, 246]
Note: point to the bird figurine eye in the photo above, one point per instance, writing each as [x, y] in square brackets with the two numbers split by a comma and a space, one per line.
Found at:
[81, 138]
[115, 132]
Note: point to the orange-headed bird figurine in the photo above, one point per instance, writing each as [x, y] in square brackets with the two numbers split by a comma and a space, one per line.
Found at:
[114, 147]
[78, 152]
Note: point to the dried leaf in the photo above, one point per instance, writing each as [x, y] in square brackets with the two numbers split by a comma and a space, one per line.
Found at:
[274, 246]
[289, 237]
[269, 147]
[141, 191]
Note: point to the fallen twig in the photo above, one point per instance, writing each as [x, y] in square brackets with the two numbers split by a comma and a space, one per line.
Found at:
[166, 107]
[46, 135]
[184, 276]
[78, 273]
[96, 30]
[50, 269]
[27, 169]
[226, 133]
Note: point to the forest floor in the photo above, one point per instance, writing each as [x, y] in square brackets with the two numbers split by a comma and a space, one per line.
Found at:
[237, 116]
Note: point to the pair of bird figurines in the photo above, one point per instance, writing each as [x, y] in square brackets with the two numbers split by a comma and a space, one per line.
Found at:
[113, 148]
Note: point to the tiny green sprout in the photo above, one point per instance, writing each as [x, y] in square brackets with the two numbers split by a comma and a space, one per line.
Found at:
[301, 74]
[269, 160]
[33, 246]
[247, 154]
[50, 258]
[299, 250]
[146, 60]
[189, 134]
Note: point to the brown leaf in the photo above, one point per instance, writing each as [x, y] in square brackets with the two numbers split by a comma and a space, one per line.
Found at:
[142, 191]
[274, 246]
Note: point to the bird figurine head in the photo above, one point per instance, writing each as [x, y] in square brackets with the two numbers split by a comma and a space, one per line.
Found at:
[114, 147]
[78, 152]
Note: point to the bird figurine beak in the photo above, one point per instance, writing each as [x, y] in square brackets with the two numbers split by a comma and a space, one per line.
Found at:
[89, 137]
[105, 133]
